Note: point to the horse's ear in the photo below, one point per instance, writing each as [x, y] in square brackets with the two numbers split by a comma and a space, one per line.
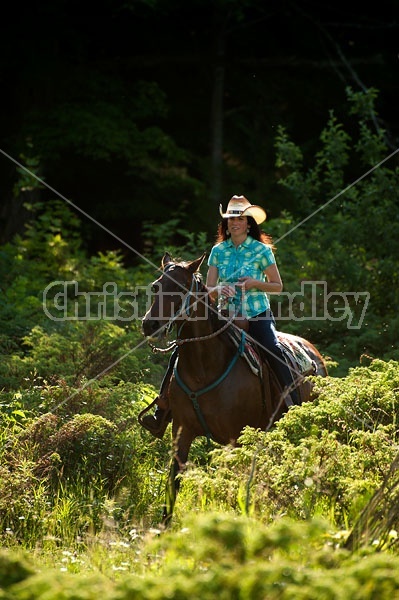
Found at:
[166, 259]
[196, 264]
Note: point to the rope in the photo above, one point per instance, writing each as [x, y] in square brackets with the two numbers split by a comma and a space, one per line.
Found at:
[180, 342]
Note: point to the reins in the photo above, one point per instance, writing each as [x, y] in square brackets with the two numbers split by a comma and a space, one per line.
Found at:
[201, 338]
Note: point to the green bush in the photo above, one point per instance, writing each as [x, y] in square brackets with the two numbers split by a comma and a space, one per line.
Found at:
[218, 555]
[325, 457]
[351, 240]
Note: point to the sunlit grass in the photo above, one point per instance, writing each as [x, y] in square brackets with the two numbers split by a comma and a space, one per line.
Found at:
[83, 498]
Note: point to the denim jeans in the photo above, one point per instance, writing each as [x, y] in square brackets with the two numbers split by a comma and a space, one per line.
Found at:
[263, 329]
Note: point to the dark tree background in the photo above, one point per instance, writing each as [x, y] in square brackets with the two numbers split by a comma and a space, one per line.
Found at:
[140, 110]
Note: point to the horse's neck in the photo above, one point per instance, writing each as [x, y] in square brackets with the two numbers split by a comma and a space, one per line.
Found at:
[198, 322]
[204, 345]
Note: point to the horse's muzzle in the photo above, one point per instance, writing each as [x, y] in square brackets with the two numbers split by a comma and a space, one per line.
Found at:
[152, 328]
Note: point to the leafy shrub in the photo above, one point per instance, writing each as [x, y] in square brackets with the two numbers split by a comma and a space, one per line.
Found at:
[218, 555]
[341, 250]
[13, 569]
[326, 457]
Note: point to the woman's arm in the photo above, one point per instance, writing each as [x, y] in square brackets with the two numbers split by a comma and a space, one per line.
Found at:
[272, 285]
[211, 281]
[212, 277]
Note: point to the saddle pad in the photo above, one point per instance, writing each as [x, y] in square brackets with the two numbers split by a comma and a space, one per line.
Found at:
[251, 355]
[293, 347]
[290, 344]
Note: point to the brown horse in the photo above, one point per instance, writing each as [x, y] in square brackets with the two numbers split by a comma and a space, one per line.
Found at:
[213, 391]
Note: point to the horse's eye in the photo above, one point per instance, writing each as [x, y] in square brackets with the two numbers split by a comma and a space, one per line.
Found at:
[155, 287]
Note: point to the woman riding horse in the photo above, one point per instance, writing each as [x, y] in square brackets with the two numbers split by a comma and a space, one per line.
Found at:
[242, 271]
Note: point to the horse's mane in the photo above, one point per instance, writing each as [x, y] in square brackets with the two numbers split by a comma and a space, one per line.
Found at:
[184, 264]
[216, 319]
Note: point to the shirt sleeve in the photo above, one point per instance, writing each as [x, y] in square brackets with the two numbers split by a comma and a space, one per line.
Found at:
[267, 257]
[213, 259]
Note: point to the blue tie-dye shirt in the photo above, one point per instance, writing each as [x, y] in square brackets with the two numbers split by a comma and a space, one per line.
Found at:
[249, 259]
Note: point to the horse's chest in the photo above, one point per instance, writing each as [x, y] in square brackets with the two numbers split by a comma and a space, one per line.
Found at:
[197, 380]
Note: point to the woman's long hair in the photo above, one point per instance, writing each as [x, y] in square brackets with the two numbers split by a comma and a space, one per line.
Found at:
[254, 231]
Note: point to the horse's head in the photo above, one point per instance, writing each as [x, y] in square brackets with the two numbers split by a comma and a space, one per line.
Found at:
[170, 293]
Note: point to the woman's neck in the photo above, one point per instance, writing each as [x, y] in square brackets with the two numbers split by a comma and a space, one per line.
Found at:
[238, 239]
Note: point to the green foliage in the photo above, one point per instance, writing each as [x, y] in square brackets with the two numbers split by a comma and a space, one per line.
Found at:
[68, 472]
[29, 175]
[79, 446]
[349, 237]
[105, 128]
[161, 238]
[49, 250]
[78, 340]
[120, 134]
[78, 475]
[217, 555]
[72, 388]
[325, 457]
[13, 569]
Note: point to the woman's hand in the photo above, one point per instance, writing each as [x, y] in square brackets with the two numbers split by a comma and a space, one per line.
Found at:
[247, 283]
[222, 290]
[227, 290]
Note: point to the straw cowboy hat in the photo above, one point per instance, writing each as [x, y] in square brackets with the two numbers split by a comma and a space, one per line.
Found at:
[240, 206]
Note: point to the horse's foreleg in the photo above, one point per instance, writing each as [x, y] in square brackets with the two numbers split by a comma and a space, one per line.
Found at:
[182, 445]
[172, 486]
